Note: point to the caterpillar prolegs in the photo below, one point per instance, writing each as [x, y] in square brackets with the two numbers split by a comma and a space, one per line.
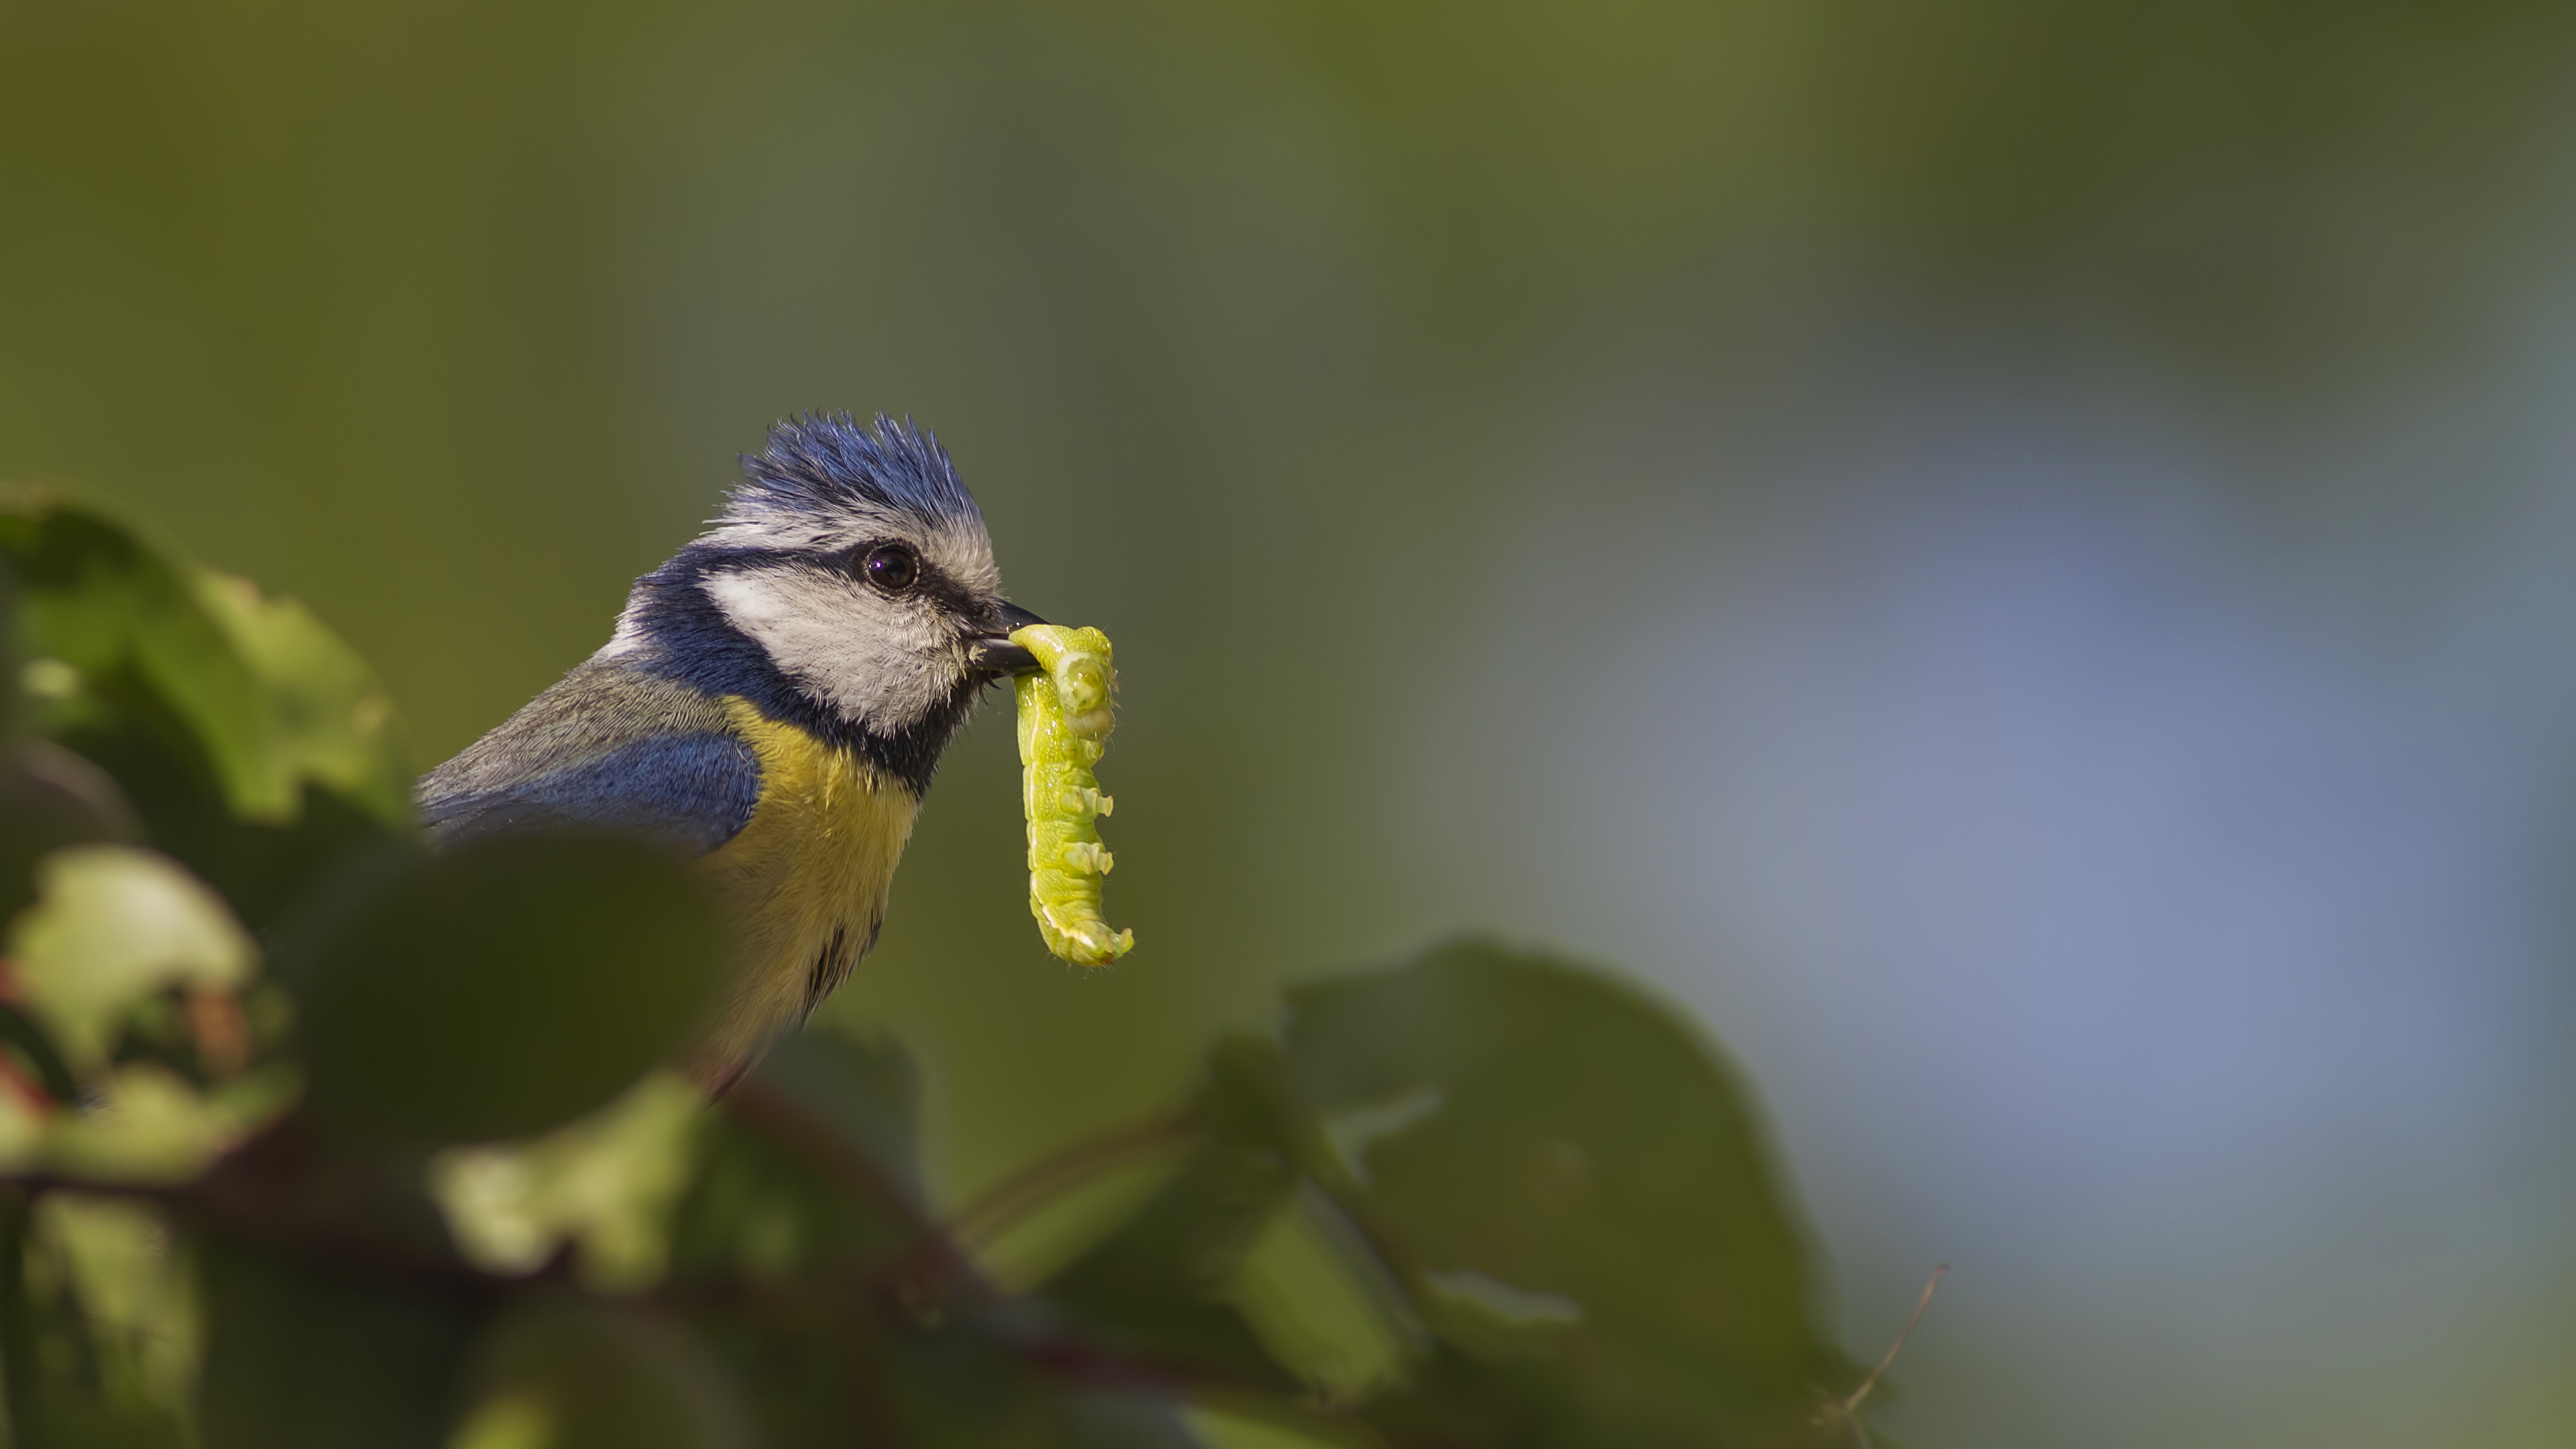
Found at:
[1065, 720]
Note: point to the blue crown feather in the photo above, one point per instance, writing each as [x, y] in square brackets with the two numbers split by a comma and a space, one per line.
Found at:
[825, 467]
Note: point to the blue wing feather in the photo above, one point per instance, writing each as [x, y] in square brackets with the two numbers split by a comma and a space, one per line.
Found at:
[605, 748]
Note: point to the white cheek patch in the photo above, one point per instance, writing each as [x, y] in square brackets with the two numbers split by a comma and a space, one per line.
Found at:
[874, 661]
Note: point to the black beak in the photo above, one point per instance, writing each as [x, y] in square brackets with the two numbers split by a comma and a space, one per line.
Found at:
[995, 656]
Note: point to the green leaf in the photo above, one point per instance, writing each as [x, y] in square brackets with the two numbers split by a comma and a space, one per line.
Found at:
[118, 1258]
[1206, 1279]
[43, 1063]
[1579, 1195]
[93, 1327]
[1231, 1429]
[805, 1199]
[330, 720]
[505, 987]
[252, 745]
[51, 798]
[865, 1092]
[271, 697]
[811, 1170]
[302, 1356]
[105, 613]
[114, 925]
[558, 1372]
[976, 1382]
[142, 1122]
[606, 1184]
[1314, 1293]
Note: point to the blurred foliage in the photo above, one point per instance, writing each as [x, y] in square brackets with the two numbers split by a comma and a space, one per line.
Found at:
[421, 1178]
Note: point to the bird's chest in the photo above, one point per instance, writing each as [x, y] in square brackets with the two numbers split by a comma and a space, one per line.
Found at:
[807, 877]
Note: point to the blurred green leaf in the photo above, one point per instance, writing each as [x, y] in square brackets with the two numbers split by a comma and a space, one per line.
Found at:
[252, 745]
[1162, 1288]
[607, 1184]
[96, 959]
[106, 614]
[111, 926]
[81, 1369]
[1579, 1196]
[51, 798]
[991, 1377]
[1225, 1429]
[505, 987]
[864, 1091]
[45, 1067]
[1034, 1231]
[271, 696]
[563, 1373]
[787, 1205]
[143, 1122]
[330, 719]
[810, 1170]
[137, 1294]
[306, 1356]
[1313, 1291]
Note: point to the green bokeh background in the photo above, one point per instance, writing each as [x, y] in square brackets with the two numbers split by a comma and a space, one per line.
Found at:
[1245, 322]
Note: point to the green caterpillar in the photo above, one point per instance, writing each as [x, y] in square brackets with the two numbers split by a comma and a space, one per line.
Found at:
[1064, 726]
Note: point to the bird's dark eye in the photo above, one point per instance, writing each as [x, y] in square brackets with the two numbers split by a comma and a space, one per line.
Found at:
[891, 567]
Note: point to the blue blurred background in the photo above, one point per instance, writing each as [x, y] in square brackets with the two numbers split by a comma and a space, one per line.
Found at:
[2012, 557]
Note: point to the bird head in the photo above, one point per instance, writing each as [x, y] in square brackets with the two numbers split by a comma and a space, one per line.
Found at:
[848, 586]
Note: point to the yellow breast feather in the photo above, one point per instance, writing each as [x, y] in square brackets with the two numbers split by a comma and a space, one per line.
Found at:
[807, 877]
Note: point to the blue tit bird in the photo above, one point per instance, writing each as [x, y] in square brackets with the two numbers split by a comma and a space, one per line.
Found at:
[775, 698]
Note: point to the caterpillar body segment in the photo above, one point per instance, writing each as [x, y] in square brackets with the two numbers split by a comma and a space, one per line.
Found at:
[1065, 719]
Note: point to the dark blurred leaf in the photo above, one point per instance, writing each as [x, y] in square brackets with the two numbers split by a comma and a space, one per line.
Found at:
[811, 1367]
[51, 798]
[113, 928]
[805, 1186]
[262, 868]
[252, 743]
[865, 1092]
[810, 1170]
[300, 1356]
[1453, 1398]
[272, 697]
[565, 1373]
[505, 987]
[67, 1384]
[867, 1330]
[45, 1065]
[1162, 1287]
[1102, 1419]
[968, 1385]
[1578, 1194]
[98, 606]
[329, 721]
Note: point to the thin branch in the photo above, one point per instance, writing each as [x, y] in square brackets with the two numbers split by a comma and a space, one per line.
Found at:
[1007, 1202]
[1851, 1406]
[279, 1221]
